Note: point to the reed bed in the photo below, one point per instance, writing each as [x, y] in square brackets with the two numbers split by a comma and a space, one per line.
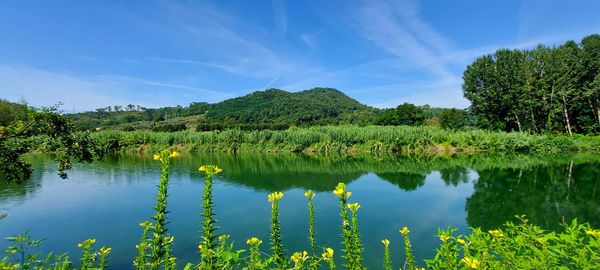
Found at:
[346, 139]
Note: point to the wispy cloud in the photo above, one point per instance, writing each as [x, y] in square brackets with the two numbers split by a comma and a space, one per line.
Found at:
[86, 92]
[219, 37]
[279, 15]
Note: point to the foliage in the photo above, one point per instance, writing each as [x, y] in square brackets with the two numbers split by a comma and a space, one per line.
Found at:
[345, 139]
[21, 131]
[270, 109]
[542, 90]
[452, 119]
[514, 246]
[405, 114]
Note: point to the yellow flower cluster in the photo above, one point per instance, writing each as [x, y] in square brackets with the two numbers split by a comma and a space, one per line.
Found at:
[404, 231]
[299, 258]
[309, 194]
[327, 254]
[253, 241]
[444, 238]
[470, 262]
[275, 196]
[87, 242]
[340, 191]
[594, 233]
[105, 250]
[210, 170]
[461, 241]
[353, 206]
[158, 156]
[202, 247]
[496, 233]
[385, 242]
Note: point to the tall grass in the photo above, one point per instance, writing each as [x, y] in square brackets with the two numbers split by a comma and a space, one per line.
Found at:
[346, 139]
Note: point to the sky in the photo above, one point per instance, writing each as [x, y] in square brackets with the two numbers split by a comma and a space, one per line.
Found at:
[92, 54]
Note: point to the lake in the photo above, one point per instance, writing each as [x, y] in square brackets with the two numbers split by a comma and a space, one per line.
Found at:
[107, 200]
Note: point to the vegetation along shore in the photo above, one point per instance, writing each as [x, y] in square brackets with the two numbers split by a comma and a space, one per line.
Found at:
[344, 140]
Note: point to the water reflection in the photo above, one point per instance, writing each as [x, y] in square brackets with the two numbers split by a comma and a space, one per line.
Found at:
[547, 194]
[546, 188]
[106, 199]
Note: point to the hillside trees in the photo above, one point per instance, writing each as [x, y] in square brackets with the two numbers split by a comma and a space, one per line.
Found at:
[542, 90]
[405, 114]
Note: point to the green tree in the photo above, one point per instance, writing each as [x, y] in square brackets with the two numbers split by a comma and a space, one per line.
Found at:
[34, 128]
[452, 119]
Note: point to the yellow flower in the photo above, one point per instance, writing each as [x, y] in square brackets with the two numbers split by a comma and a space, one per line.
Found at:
[299, 257]
[174, 154]
[156, 157]
[223, 238]
[404, 231]
[385, 242]
[594, 233]
[309, 194]
[444, 238]
[86, 243]
[461, 241]
[327, 254]
[274, 196]
[105, 250]
[210, 170]
[470, 262]
[353, 206]
[340, 191]
[202, 248]
[496, 233]
[253, 241]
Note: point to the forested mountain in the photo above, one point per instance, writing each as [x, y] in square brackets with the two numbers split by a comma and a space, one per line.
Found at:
[269, 109]
[542, 90]
[279, 108]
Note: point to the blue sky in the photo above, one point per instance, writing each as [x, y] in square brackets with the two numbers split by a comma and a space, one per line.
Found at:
[90, 54]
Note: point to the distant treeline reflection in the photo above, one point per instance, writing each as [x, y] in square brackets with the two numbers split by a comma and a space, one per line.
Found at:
[546, 188]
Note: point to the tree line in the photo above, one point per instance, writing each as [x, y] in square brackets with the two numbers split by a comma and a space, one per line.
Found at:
[541, 90]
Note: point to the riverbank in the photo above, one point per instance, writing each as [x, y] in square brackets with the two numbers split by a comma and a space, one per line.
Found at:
[344, 140]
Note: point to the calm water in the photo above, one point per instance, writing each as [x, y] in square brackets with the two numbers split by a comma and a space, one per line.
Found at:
[107, 200]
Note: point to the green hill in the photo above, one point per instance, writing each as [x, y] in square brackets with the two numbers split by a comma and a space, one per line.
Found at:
[275, 107]
[269, 109]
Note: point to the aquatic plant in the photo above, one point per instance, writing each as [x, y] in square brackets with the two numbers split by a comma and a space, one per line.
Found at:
[310, 195]
[159, 230]
[276, 242]
[387, 263]
[208, 244]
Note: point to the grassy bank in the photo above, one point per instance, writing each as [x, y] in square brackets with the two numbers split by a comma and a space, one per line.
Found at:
[345, 139]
